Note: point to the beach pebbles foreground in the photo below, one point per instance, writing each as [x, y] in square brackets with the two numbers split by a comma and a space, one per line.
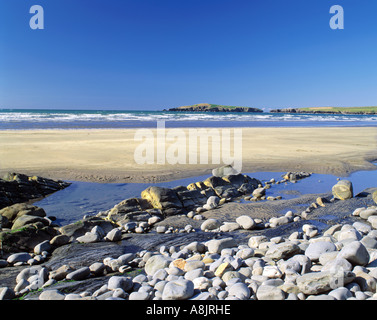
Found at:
[340, 264]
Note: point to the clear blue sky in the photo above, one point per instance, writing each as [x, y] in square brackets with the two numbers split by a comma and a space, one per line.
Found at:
[152, 54]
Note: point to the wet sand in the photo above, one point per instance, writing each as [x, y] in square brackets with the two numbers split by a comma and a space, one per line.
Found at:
[107, 155]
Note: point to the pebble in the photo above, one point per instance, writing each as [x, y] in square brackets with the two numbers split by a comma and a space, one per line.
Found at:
[51, 294]
[79, 274]
[124, 283]
[355, 252]
[178, 290]
[22, 257]
[340, 264]
[316, 249]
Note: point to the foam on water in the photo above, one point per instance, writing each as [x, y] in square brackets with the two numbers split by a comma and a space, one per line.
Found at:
[30, 119]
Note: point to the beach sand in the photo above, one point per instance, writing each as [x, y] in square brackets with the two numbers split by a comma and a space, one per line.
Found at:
[107, 155]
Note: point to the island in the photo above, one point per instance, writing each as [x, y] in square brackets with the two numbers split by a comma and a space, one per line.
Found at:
[207, 107]
[330, 110]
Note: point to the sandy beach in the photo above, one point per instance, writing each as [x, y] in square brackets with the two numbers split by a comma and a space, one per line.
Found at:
[107, 155]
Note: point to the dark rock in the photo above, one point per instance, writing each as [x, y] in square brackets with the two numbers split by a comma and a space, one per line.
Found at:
[79, 228]
[26, 238]
[164, 199]
[191, 199]
[18, 188]
[26, 219]
[295, 176]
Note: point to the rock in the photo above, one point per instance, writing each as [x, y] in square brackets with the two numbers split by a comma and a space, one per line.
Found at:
[43, 246]
[97, 268]
[79, 228]
[373, 221]
[19, 188]
[337, 264]
[363, 228]
[178, 290]
[374, 196]
[315, 249]
[139, 296]
[6, 294]
[156, 263]
[355, 252]
[255, 241]
[240, 290]
[210, 224]
[80, 274]
[275, 222]
[164, 199]
[320, 282]
[59, 240]
[366, 213]
[341, 293]
[224, 171]
[267, 292]
[20, 209]
[215, 246]
[114, 235]
[26, 219]
[89, 238]
[124, 283]
[229, 226]
[282, 250]
[343, 190]
[213, 202]
[18, 257]
[295, 176]
[52, 294]
[246, 222]
[259, 193]
[161, 229]
[60, 273]
[190, 199]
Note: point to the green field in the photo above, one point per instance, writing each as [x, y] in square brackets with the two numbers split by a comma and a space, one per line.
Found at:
[351, 110]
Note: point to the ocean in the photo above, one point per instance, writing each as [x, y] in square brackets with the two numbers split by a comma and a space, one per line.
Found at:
[20, 119]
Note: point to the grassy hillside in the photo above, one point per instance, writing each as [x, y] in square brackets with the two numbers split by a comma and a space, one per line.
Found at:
[208, 107]
[350, 110]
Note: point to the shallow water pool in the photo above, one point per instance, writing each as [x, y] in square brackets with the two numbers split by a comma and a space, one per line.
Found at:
[82, 198]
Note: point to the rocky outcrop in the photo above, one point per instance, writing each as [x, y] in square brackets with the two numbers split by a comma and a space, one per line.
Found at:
[206, 107]
[184, 199]
[18, 188]
[328, 110]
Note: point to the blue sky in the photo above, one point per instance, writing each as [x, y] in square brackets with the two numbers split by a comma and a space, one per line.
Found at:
[153, 54]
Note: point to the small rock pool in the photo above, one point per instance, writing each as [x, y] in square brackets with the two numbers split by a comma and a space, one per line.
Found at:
[82, 198]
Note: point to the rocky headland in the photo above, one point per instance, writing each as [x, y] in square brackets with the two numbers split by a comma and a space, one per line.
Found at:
[330, 110]
[223, 238]
[207, 107]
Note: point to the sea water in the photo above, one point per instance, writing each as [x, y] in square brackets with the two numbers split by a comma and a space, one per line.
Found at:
[17, 119]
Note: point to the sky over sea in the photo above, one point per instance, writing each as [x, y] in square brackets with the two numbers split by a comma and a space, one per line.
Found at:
[155, 54]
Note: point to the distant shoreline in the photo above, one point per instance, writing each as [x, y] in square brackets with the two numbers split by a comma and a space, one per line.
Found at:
[330, 110]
